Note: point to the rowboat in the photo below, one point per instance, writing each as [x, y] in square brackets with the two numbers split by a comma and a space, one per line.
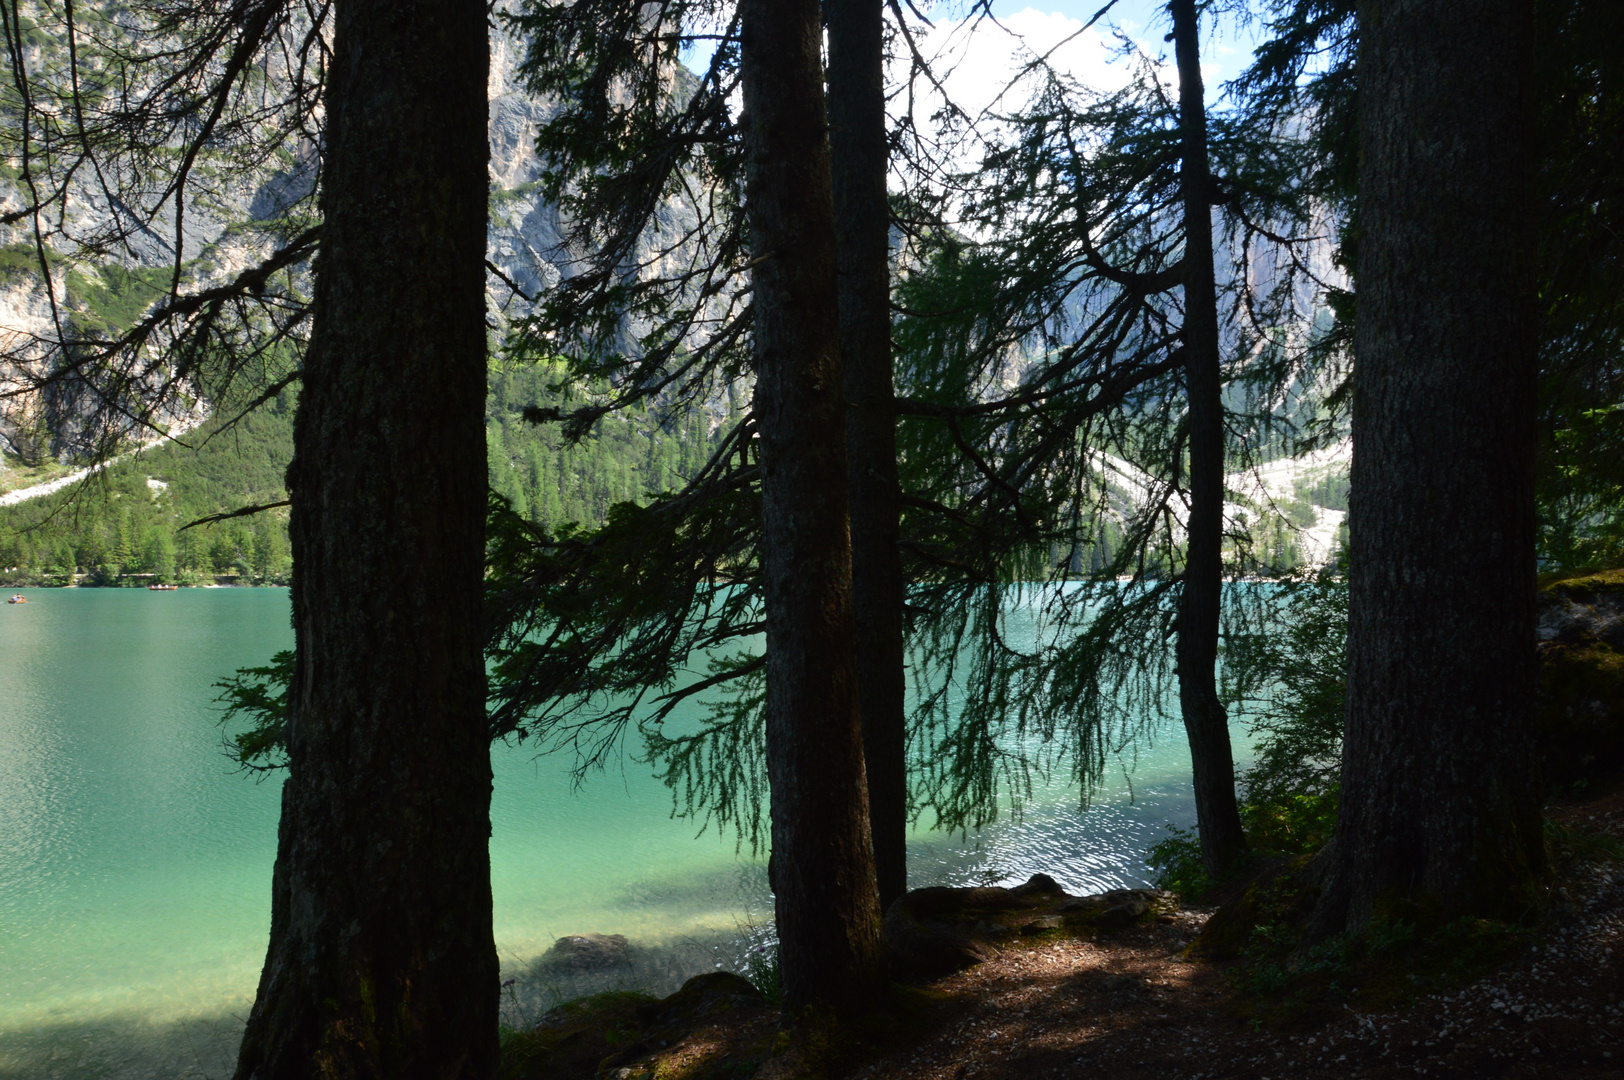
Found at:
[18, 599]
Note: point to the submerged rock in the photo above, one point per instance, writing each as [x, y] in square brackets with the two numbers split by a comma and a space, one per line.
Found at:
[587, 952]
[936, 931]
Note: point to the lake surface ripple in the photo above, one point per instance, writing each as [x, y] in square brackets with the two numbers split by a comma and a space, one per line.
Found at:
[135, 862]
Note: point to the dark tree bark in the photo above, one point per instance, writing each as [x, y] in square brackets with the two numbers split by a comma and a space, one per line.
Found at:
[1439, 815]
[859, 159]
[1205, 722]
[825, 896]
[381, 961]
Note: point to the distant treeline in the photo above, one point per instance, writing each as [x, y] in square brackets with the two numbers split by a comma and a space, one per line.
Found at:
[629, 455]
[124, 526]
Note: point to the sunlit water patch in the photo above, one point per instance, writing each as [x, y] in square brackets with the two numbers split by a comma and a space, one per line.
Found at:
[135, 864]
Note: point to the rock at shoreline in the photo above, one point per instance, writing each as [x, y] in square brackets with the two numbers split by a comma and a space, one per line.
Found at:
[588, 952]
[936, 931]
[717, 1025]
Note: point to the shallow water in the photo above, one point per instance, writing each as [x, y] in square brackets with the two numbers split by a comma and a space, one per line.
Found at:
[135, 863]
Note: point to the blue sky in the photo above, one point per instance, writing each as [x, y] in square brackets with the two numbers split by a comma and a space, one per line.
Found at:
[983, 61]
[1226, 45]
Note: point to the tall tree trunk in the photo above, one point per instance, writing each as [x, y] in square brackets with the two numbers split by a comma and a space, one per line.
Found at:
[381, 961]
[1205, 722]
[1439, 814]
[859, 159]
[825, 896]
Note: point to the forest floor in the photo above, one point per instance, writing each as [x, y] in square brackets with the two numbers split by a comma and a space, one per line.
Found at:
[1136, 1005]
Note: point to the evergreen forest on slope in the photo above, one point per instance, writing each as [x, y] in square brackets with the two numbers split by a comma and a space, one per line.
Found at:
[127, 524]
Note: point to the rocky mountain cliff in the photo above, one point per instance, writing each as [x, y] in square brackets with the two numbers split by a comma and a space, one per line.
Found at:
[235, 218]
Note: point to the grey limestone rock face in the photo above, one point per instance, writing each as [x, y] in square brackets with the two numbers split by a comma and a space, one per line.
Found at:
[284, 189]
[237, 216]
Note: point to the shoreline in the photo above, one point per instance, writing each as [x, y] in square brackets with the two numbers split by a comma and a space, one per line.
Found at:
[138, 582]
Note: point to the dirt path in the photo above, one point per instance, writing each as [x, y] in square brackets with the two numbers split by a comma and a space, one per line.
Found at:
[1134, 1007]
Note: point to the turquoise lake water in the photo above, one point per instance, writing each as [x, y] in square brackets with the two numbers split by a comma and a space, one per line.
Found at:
[135, 863]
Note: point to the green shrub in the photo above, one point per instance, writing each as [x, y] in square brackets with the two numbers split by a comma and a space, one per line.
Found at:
[761, 970]
[1178, 866]
[1298, 824]
[1291, 683]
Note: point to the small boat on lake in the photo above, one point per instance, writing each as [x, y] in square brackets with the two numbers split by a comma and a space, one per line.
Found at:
[18, 599]
[163, 588]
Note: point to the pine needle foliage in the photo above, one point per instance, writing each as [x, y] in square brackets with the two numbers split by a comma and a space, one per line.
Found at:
[1041, 441]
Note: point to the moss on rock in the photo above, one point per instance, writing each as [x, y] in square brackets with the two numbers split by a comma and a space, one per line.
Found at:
[695, 1034]
[1580, 723]
[570, 1041]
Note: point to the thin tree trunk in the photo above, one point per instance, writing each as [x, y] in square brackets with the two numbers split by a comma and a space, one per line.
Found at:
[825, 896]
[381, 961]
[1439, 814]
[1205, 722]
[859, 159]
